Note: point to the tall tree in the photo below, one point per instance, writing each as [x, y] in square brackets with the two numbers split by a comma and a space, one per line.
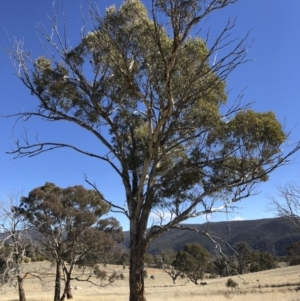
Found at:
[68, 221]
[156, 102]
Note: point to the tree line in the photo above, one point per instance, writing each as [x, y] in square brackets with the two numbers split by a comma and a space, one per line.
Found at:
[66, 227]
[194, 261]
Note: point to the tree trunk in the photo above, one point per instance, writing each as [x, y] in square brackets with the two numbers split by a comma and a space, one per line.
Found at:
[138, 249]
[67, 289]
[21, 289]
[57, 281]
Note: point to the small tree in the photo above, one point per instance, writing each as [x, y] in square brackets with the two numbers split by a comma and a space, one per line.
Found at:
[14, 244]
[244, 256]
[165, 261]
[70, 228]
[192, 261]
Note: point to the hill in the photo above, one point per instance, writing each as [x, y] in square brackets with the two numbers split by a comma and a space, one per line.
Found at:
[271, 235]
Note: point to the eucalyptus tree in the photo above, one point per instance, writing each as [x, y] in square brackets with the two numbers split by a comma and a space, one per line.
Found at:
[192, 261]
[244, 256]
[70, 228]
[153, 93]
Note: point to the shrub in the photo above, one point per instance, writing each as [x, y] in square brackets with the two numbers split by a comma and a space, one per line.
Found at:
[26, 259]
[231, 283]
[152, 277]
[122, 277]
[113, 277]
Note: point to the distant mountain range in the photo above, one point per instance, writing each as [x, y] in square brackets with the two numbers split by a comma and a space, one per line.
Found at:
[271, 235]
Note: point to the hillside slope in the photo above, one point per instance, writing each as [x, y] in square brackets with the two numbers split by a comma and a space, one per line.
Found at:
[272, 235]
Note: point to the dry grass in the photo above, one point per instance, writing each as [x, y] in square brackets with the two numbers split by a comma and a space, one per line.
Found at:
[274, 285]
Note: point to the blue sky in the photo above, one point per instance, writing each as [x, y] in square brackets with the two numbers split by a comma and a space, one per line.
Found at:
[271, 80]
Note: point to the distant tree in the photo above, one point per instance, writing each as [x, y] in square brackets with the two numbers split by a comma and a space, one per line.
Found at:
[192, 261]
[244, 256]
[168, 256]
[149, 259]
[224, 266]
[172, 272]
[287, 203]
[68, 221]
[293, 253]
[14, 245]
[262, 261]
[124, 258]
[165, 261]
[153, 94]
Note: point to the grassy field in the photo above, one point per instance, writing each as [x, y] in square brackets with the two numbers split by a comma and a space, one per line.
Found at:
[274, 285]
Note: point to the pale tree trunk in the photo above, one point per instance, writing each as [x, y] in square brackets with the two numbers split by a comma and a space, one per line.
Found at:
[21, 289]
[67, 290]
[57, 281]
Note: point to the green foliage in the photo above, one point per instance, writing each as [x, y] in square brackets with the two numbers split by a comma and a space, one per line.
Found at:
[293, 251]
[224, 266]
[192, 261]
[70, 228]
[125, 47]
[262, 261]
[244, 256]
[69, 222]
[168, 256]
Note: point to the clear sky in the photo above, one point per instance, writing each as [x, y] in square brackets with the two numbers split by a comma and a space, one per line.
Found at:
[271, 80]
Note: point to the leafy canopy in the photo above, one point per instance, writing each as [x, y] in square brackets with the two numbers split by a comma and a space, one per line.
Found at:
[145, 87]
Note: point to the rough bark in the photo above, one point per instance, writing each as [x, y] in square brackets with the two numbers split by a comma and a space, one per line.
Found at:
[57, 281]
[136, 275]
[21, 289]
